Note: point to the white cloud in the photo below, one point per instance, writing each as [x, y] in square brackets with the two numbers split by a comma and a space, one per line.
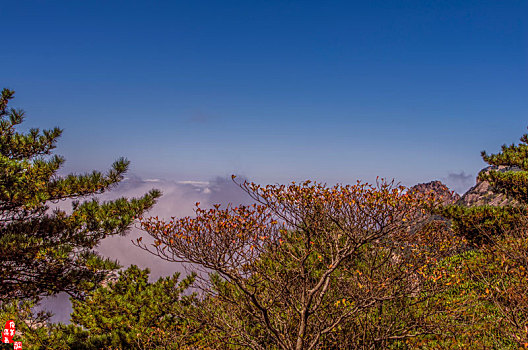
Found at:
[460, 182]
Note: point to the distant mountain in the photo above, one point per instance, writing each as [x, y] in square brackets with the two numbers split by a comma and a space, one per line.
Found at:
[446, 195]
[480, 194]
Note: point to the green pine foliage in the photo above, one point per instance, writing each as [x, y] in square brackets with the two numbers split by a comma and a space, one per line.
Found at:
[127, 312]
[44, 252]
[480, 224]
[512, 183]
[131, 313]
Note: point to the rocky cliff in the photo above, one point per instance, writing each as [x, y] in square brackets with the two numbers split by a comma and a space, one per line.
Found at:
[483, 194]
[480, 194]
[446, 195]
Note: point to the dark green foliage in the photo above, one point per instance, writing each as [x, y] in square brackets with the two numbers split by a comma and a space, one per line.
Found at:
[43, 252]
[513, 183]
[512, 155]
[127, 312]
[482, 223]
[509, 176]
[132, 313]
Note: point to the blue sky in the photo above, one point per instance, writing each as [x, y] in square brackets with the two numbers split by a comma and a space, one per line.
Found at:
[275, 90]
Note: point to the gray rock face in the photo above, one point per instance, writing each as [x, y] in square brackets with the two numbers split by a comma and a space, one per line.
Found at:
[482, 193]
[446, 195]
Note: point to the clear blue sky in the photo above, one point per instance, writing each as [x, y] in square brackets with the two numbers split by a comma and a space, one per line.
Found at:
[273, 90]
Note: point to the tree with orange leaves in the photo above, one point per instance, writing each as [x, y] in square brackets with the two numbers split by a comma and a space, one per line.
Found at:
[309, 266]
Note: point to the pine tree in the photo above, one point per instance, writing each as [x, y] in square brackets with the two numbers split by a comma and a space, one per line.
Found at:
[508, 175]
[132, 313]
[44, 251]
[125, 312]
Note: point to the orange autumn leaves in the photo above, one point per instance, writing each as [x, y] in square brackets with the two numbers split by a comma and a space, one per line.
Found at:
[357, 212]
[232, 229]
